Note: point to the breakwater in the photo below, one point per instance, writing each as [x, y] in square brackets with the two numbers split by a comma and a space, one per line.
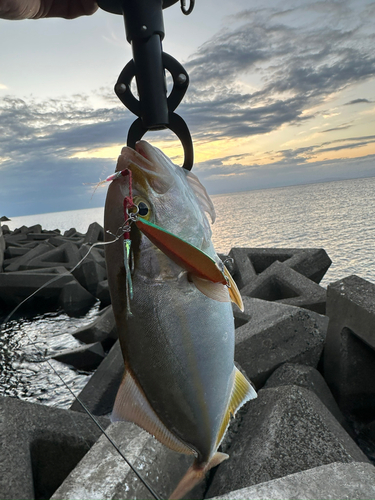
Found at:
[309, 351]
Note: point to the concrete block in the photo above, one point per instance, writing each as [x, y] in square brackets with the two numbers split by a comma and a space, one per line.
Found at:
[312, 263]
[337, 481]
[70, 232]
[282, 284]
[12, 252]
[21, 230]
[102, 293]
[76, 300]
[14, 238]
[103, 474]
[45, 235]
[20, 262]
[89, 273]
[40, 446]
[2, 248]
[37, 228]
[309, 378]
[57, 241]
[272, 334]
[284, 431]
[99, 393]
[66, 255]
[64, 292]
[6, 229]
[102, 329]
[349, 355]
[87, 357]
[94, 233]
[15, 287]
[48, 270]
[96, 254]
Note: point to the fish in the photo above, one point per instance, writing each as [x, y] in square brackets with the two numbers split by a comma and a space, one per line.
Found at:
[173, 314]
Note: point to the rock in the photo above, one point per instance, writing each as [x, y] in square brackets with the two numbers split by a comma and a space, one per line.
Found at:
[102, 329]
[40, 445]
[349, 355]
[284, 431]
[309, 378]
[312, 263]
[87, 357]
[94, 233]
[4, 218]
[103, 474]
[337, 481]
[282, 284]
[99, 393]
[272, 334]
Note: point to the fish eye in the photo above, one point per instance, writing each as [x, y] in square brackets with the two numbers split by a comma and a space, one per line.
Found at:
[144, 209]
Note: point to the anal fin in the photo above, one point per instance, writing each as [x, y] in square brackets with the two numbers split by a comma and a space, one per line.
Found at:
[242, 392]
[131, 405]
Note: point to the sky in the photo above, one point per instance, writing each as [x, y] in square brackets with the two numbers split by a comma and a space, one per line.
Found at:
[281, 93]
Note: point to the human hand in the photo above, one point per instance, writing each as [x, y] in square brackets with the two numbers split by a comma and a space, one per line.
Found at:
[36, 9]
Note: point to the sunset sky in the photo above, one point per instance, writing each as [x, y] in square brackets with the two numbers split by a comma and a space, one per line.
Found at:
[280, 94]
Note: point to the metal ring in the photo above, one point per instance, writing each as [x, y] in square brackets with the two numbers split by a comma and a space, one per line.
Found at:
[190, 9]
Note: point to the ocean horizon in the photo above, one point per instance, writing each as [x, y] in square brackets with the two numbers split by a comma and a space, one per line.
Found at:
[337, 215]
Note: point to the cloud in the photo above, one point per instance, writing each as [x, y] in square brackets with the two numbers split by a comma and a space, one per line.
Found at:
[297, 65]
[267, 69]
[340, 127]
[358, 101]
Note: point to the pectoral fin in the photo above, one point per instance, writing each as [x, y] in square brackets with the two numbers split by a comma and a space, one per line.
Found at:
[182, 253]
[218, 291]
[215, 291]
[131, 405]
[234, 293]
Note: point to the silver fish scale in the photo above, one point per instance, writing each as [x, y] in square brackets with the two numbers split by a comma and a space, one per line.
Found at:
[180, 346]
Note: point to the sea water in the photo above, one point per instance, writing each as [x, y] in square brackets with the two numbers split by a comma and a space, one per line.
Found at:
[337, 216]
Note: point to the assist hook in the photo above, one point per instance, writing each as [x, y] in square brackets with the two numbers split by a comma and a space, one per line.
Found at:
[144, 29]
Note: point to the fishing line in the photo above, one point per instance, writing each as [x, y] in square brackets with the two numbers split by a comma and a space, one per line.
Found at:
[97, 423]
[59, 276]
[39, 352]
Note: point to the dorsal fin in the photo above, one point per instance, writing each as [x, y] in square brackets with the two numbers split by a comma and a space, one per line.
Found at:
[131, 405]
[203, 197]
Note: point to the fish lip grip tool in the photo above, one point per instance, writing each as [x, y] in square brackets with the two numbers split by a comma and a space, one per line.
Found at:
[144, 27]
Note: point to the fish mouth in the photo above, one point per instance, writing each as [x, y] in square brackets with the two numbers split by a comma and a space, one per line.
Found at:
[147, 167]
